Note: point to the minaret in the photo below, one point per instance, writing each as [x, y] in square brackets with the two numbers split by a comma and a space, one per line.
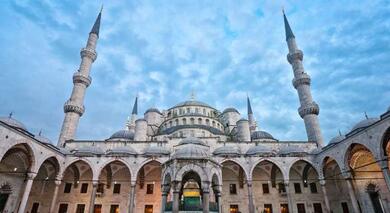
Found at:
[309, 109]
[251, 118]
[74, 107]
[131, 123]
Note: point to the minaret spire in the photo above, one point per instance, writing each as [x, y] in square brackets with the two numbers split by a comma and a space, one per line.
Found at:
[251, 118]
[309, 109]
[131, 123]
[74, 107]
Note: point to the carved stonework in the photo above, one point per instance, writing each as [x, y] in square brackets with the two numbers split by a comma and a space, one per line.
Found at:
[309, 109]
[297, 55]
[90, 53]
[70, 106]
[302, 79]
[79, 78]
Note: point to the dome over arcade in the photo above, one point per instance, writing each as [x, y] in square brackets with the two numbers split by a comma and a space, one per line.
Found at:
[259, 135]
[121, 150]
[42, 138]
[364, 123]
[13, 122]
[123, 134]
[230, 109]
[88, 151]
[191, 148]
[337, 139]
[156, 151]
[287, 150]
[260, 150]
[227, 151]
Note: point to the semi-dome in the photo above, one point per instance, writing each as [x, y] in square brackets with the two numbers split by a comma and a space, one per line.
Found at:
[13, 122]
[192, 140]
[337, 139]
[260, 150]
[156, 151]
[191, 151]
[258, 135]
[230, 109]
[364, 123]
[227, 151]
[121, 151]
[192, 103]
[153, 110]
[123, 134]
[88, 151]
[286, 150]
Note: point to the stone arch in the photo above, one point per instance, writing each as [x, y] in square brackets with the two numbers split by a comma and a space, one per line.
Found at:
[353, 152]
[238, 163]
[191, 167]
[304, 173]
[54, 161]
[257, 162]
[108, 172]
[26, 149]
[72, 163]
[215, 173]
[385, 144]
[104, 164]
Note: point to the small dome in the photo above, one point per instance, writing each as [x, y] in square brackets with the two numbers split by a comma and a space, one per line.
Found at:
[337, 139]
[192, 140]
[191, 152]
[153, 110]
[42, 139]
[364, 123]
[227, 151]
[88, 151]
[257, 135]
[156, 151]
[123, 134]
[285, 150]
[260, 150]
[230, 109]
[121, 150]
[13, 122]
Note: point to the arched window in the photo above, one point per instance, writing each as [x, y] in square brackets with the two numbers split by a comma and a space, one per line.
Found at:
[184, 121]
[200, 121]
[204, 111]
[170, 123]
[192, 121]
[213, 123]
[188, 110]
[207, 122]
[176, 122]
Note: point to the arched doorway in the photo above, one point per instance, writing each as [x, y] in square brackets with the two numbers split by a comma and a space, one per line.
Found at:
[191, 192]
[43, 186]
[365, 170]
[113, 188]
[336, 185]
[268, 184]
[148, 188]
[305, 189]
[77, 184]
[234, 188]
[15, 165]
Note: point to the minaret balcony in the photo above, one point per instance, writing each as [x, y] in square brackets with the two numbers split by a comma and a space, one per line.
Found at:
[309, 109]
[71, 106]
[296, 55]
[87, 52]
[302, 79]
[80, 78]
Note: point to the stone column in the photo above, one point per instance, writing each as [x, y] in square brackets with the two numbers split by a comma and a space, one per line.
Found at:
[27, 188]
[352, 195]
[55, 194]
[386, 173]
[132, 197]
[93, 196]
[164, 196]
[206, 197]
[176, 198]
[251, 206]
[219, 201]
[289, 198]
[326, 199]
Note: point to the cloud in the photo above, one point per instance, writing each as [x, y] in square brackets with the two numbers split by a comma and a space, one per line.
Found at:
[222, 50]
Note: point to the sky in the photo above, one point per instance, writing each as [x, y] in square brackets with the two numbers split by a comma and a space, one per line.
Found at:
[222, 50]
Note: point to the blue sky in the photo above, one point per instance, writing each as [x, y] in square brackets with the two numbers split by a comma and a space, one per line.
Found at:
[221, 49]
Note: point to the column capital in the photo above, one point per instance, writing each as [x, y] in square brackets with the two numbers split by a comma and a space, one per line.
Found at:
[95, 183]
[30, 176]
[322, 182]
[57, 182]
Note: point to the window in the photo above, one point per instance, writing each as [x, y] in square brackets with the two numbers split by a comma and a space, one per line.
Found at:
[63, 208]
[188, 110]
[80, 208]
[117, 188]
[297, 188]
[281, 187]
[114, 209]
[233, 189]
[233, 208]
[267, 208]
[97, 208]
[265, 188]
[34, 208]
[344, 205]
[301, 208]
[204, 111]
[149, 188]
[313, 188]
[84, 188]
[284, 208]
[100, 188]
[184, 121]
[67, 187]
[148, 208]
[317, 207]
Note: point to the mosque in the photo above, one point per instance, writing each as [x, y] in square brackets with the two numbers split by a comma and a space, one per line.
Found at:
[194, 158]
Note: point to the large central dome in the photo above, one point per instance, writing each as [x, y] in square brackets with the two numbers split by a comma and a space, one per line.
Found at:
[192, 103]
